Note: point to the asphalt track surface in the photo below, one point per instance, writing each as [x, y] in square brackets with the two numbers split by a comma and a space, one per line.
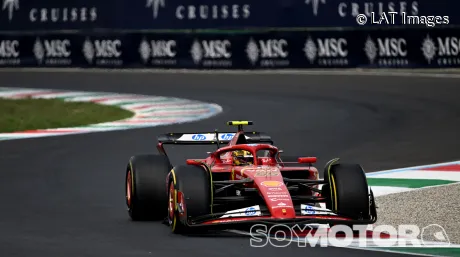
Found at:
[64, 196]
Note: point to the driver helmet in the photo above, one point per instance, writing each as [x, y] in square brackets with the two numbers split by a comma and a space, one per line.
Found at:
[242, 157]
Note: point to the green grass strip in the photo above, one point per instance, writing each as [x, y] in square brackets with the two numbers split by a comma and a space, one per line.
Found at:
[32, 114]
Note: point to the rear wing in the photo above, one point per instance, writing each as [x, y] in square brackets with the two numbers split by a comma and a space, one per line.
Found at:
[209, 138]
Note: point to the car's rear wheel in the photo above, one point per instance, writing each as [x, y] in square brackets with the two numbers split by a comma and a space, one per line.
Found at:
[145, 186]
[190, 195]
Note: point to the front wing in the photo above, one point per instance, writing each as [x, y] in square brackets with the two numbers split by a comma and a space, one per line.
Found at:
[246, 222]
[214, 222]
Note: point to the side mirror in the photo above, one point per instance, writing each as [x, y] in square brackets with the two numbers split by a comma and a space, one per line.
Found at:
[193, 162]
[307, 159]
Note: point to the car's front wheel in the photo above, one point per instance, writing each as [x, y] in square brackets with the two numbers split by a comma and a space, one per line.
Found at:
[190, 195]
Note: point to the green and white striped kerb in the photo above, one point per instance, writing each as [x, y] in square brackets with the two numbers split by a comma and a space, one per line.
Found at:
[408, 179]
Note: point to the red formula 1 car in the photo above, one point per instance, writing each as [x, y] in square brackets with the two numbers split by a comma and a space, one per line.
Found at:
[243, 183]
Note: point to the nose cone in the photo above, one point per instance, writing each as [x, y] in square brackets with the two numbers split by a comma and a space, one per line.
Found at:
[282, 209]
[274, 191]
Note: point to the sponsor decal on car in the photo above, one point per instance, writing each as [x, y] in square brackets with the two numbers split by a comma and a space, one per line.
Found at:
[275, 189]
[199, 137]
[284, 207]
[313, 210]
[271, 183]
[308, 210]
[249, 211]
[226, 136]
[267, 173]
[278, 196]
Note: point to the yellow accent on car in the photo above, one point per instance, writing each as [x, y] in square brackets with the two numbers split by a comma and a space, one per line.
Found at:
[212, 192]
[132, 175]
[174, 177]
[174, 221]
[335, 191]
[332, 184]
[239, 123]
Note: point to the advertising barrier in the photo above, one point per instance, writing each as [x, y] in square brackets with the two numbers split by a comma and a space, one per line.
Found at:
[417, 48]
[31, 15]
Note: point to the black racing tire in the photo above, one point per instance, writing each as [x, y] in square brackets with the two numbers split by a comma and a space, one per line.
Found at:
[195, 185]
[347, 191]
[145, 186]
[326, 193]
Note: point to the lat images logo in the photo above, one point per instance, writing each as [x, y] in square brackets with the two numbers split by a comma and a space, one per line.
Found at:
[315, 5]
[10, 6]
[155, 5]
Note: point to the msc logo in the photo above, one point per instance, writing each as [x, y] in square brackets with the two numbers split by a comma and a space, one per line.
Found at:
[227, 136]
[9, 48]
[57, 48]
[199, 137]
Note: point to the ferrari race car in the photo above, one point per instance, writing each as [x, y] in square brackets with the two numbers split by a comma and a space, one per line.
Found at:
[244, 182]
